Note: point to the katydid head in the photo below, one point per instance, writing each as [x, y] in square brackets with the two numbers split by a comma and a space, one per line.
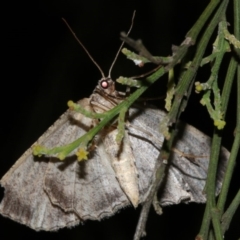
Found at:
[107, 85]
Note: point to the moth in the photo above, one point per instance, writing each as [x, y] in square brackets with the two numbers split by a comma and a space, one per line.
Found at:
[47, 194]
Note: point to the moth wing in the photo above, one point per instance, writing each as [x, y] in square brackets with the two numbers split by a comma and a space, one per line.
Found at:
[190, 159]
[185, 178]
[89, 188]
[46, 194]
[25, 200]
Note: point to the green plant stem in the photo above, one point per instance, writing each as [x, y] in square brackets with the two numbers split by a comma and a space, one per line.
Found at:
[235, 147]
[185, 81]
[215, 143]
[210, 185]
[236, 14]
[193, 33]
[227, 216]
[232, 160]
[216, 111]
[216, 224]
[236, 9]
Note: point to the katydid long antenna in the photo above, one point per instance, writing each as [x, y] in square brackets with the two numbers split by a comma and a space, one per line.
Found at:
[90, 56]
[109, 73]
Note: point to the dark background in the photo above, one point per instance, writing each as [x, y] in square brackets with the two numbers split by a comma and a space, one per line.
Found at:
[43, 67]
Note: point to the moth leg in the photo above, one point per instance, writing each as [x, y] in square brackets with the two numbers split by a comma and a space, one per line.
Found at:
[191, 157]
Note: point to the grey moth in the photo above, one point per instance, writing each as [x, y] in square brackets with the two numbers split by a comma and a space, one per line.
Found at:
[47, 194]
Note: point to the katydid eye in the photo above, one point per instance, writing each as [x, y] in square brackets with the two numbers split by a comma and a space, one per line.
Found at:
[104, 84]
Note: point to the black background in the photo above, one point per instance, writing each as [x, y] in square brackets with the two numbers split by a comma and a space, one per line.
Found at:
[43, 67]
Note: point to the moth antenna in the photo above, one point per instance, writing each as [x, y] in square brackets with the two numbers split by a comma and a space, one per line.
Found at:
[89, 55]
[109, 73]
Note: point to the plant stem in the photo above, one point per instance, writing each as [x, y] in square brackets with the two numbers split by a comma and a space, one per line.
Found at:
[215, 145]
[236, 14]
[235, 147]
[216, 224]
[185, 81]
[227, 216]
[193, 33]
